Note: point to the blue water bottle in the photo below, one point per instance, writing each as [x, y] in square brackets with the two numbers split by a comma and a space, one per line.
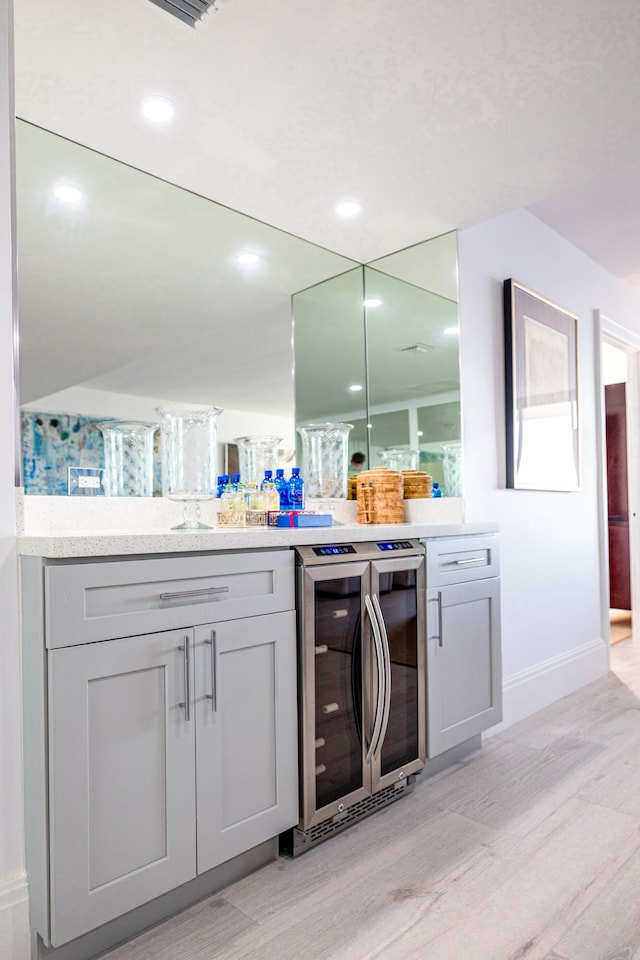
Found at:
[282, 487]
[296, 490]
[436, 492]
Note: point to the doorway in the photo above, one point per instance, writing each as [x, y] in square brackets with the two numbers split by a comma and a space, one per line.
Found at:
[620, 422]
[614, 368]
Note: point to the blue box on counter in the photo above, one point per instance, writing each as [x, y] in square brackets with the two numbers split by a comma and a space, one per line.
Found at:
[305, 520]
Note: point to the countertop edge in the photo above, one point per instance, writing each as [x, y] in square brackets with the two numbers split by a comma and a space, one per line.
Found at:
[116, 543]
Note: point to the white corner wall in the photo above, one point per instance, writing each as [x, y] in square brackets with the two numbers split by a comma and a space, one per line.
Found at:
[551, 618]
[14, 942]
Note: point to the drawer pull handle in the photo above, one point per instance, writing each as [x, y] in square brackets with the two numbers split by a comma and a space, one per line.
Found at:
[192, 594]
[330, 708]
[321, 648]
[459, 563]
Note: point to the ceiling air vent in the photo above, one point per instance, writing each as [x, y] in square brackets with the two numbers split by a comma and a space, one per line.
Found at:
[189, 11]
[416, 348]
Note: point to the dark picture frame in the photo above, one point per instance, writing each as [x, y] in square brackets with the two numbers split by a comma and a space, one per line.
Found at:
[541, 392]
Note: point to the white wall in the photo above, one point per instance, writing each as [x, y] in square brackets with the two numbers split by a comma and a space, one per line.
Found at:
[552, 641]
[13, 903]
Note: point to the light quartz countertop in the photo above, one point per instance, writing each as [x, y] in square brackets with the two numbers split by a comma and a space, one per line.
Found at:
[77, 527]
[115, 543]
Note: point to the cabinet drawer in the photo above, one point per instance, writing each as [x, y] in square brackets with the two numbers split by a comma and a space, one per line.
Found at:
[86, 602]
[459, 559]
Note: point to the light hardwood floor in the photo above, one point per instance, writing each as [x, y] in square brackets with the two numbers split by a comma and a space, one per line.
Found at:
[527, 850]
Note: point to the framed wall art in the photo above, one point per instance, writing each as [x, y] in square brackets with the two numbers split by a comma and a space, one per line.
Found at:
[541, 385]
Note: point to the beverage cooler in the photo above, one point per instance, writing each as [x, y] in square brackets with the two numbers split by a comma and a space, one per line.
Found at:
[361, 681]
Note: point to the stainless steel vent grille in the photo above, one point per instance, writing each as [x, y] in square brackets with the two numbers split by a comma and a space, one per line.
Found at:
[189, 11]
[295, 841]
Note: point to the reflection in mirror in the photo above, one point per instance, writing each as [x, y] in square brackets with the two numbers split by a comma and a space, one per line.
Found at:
[330, 372]
[133, 294]
[398, 322]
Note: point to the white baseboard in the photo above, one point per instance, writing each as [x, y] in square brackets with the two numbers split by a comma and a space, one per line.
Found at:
[14, 920]
[536, 687]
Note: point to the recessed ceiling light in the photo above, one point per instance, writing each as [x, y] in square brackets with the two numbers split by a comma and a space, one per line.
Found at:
[246, 258]
[349, 208]
[356, 387]
[372, 302]
[68, 194]
[452, 331]
[420, 433]
[158, 109]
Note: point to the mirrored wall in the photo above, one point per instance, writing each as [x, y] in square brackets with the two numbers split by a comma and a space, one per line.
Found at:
[378, 347]
[134, 293]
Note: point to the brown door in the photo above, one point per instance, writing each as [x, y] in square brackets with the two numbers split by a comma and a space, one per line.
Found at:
[619, 570]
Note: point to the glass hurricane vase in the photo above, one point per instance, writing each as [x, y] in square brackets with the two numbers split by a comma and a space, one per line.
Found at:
[189, 469]
[255, 455]
[325, 460]
[128, 457]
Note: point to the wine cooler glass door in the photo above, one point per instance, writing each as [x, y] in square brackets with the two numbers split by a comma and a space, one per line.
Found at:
[397, 593]
[335, 701]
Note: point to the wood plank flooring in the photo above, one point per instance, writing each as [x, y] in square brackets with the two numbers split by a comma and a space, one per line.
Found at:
[620, 625]
[529, 849]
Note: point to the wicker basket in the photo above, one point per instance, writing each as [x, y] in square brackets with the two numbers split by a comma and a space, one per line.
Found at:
[380, 496]
[417, 484]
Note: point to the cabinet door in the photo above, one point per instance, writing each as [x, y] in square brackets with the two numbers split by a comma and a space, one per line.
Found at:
[246, 735]
[464, 674]
[122, 778]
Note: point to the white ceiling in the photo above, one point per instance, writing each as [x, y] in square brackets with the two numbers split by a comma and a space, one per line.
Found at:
[432, 115]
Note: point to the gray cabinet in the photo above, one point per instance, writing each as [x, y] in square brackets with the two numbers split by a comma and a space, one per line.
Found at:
[464, 672]
[121, 779]
[169, 752]
[246, 734]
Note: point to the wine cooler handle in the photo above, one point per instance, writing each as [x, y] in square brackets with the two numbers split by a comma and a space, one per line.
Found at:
[377, 642]
[387, 674]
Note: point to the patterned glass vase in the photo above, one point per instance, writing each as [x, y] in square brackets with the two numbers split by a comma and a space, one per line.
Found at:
[452, 469]
[325, 461]
[189, 459]
[255, 455]
[128, 456]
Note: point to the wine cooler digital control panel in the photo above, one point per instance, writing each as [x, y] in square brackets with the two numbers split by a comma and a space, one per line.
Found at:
[333, 550]
[395, 545]
[367, 550]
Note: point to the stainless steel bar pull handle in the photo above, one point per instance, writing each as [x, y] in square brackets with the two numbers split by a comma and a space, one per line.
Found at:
[437, 636]
[387, 674]
[193, 594]
[213, 696]
[186, 659]
[377, 642]
[459, 563]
